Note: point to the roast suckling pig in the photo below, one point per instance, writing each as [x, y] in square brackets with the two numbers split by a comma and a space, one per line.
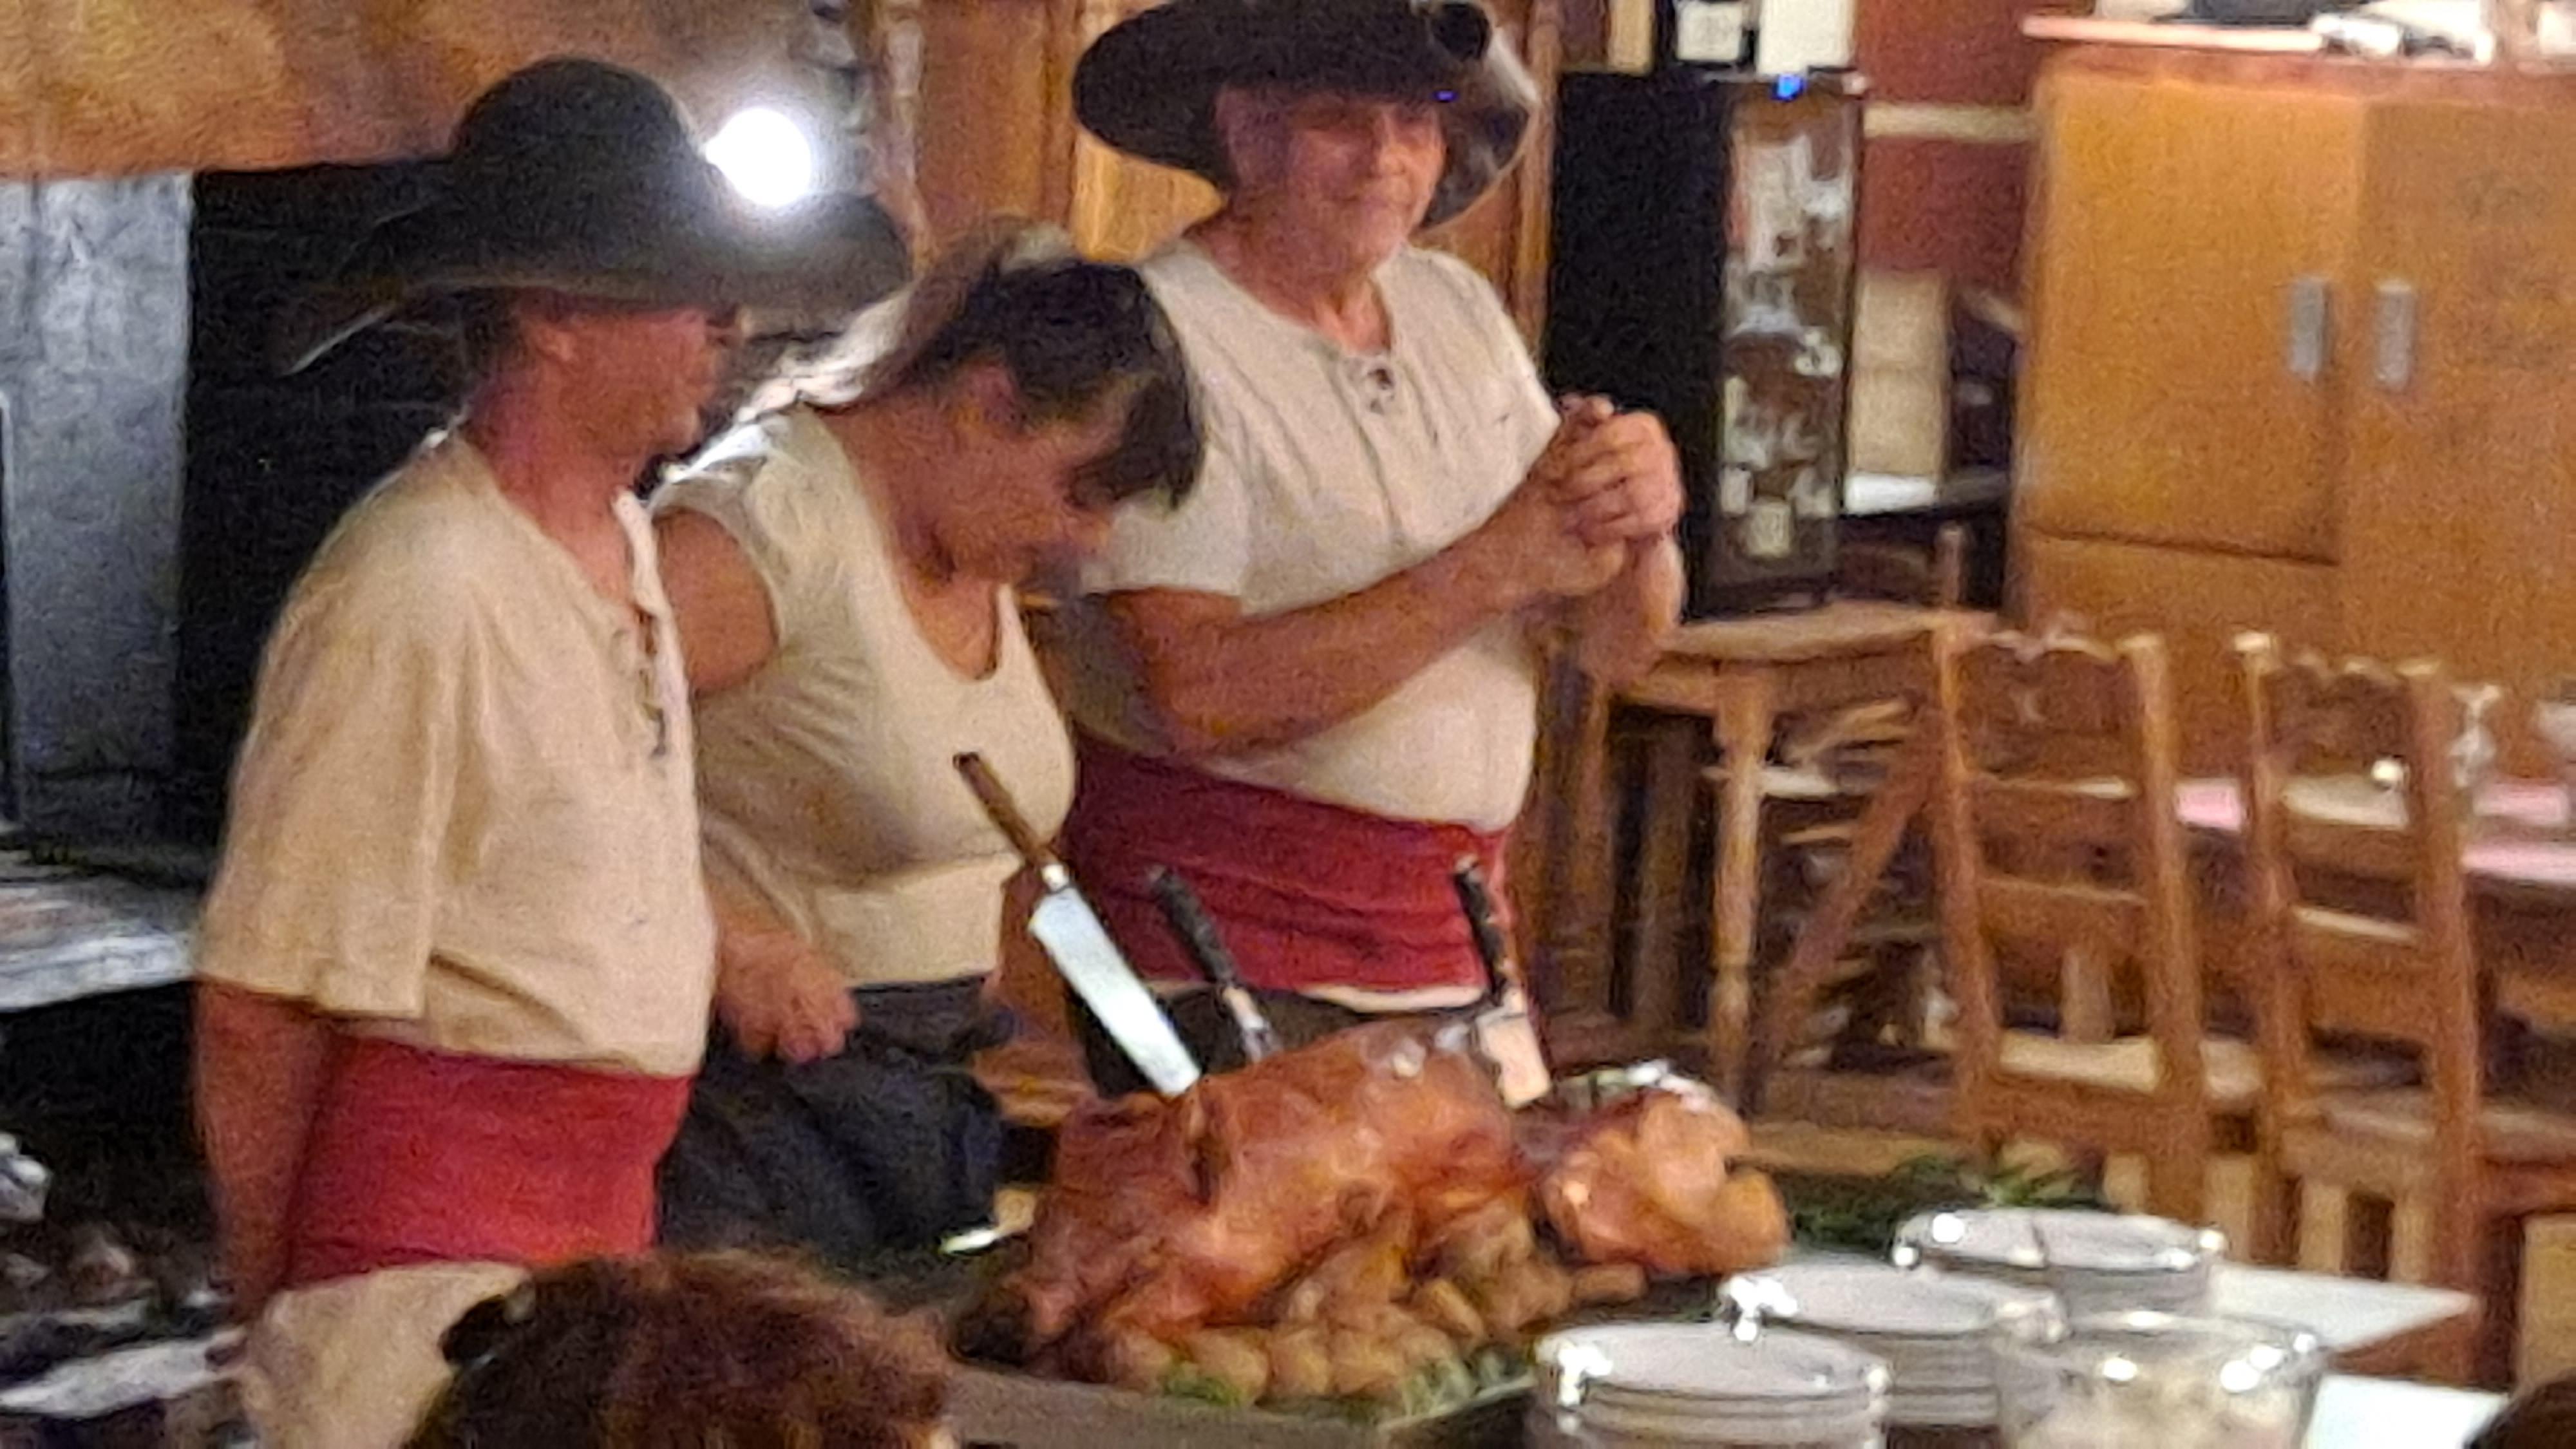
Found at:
[1646, 1181]
[1346, 1218]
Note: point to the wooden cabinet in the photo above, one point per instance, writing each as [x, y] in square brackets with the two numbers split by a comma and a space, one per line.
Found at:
[2169, 307]
[983, 95]
[2302, 343]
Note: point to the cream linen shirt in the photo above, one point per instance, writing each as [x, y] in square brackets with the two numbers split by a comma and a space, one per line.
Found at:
[1326, 472]
[827, 778]
[464, 816]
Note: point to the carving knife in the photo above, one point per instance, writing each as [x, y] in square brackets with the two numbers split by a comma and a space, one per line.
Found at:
[1190, 921]
[1082, 951]
[1504, 1030]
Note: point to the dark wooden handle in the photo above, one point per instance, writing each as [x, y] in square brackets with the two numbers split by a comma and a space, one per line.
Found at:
[1190, 921]
[1005, 812]
[1487, 927]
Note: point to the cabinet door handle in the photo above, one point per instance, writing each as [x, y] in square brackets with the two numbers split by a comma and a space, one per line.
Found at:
[2308, 328]
[2393, 359]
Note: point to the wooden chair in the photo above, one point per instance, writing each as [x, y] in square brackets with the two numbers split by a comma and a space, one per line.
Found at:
[2361, 930]
[2060, 860]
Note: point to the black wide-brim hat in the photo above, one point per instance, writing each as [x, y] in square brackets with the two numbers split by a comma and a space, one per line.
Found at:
[1148, 86]
[581, 177]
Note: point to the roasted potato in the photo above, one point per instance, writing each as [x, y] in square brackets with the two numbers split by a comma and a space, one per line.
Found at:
[1366, 1367]
[1301, 1363]
[1445, 1306]
[1609, 1283]
[1131, 1359]
[1235, 1357]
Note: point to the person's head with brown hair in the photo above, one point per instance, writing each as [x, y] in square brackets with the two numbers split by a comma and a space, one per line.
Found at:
[688, 1351]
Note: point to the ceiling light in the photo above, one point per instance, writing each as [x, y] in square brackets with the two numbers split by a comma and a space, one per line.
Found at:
[765, 155]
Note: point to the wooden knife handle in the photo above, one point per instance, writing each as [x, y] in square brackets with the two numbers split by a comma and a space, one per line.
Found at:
[998, 804]
[1190, 922]
[1484, 923]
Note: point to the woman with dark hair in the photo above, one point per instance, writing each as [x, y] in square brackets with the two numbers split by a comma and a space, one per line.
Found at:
[687, 1350]
[844, 574]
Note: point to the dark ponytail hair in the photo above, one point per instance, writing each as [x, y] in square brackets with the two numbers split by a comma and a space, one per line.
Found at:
[1070, 334]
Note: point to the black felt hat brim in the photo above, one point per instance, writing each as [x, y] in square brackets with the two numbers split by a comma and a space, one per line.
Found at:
[1148, 86]
[832, 254]
[581, 177]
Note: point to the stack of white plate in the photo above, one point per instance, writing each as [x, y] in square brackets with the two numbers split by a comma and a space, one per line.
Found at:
[1630, 1386]
[2093, 1262]
[1931, 1330]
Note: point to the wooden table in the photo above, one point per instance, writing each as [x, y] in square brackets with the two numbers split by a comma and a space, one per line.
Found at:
[1744, 676]
[2371, 1327]
[2521, 859]
[2518, 847]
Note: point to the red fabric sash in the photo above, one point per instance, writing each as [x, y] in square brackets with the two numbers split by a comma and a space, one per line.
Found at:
[424, 1157]
[1306, 894]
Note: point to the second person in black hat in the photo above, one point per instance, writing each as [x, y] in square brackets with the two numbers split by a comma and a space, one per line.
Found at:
[456, 963]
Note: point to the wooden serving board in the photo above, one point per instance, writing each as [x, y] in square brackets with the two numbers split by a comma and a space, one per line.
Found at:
[989, 1407]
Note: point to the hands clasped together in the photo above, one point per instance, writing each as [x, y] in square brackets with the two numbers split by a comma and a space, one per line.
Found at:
[1607, 488]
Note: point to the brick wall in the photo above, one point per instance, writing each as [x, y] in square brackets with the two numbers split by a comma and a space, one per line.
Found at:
[1945, 181]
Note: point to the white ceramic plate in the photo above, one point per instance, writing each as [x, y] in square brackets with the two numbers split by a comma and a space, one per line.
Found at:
[1705, 1362]
[2060, 1243]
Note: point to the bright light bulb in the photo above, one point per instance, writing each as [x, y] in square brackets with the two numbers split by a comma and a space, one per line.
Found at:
[765, 155]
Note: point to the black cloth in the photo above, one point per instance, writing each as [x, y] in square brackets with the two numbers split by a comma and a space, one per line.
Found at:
[889, 1147]
[1208, 1030]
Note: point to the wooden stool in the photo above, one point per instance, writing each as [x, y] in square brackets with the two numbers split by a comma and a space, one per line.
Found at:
[1743, 676]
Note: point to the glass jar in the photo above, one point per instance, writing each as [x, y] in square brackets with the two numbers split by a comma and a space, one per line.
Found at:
[2156, 1381]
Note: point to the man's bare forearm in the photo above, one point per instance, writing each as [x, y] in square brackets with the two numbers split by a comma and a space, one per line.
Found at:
[1622, 630]
[1220, 683]
[260, 1068]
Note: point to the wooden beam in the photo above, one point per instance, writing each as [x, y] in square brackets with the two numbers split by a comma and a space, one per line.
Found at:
[120, 87]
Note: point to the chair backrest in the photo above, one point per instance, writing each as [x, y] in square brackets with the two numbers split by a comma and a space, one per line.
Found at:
[2059, 848]
[2359, 898]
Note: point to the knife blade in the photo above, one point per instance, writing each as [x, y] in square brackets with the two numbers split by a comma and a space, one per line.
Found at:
[1082, 950]
[1197, 930]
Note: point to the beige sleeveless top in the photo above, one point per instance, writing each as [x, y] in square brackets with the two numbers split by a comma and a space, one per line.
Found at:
[825, 780]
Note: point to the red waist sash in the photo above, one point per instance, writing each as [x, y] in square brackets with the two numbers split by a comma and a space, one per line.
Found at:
[425, 1157]
[1306, 894]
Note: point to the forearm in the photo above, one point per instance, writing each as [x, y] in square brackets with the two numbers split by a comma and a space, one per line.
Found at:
[260, 1068]
[746, 928]
[1257, 683]
[1622, 630]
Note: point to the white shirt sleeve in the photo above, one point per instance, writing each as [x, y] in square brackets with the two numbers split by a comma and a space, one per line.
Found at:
[335, 859]
[754, 489]
[1203, 545]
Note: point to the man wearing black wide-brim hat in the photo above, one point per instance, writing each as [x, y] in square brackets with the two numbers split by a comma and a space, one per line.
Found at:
[1312, 687]
[457, 959]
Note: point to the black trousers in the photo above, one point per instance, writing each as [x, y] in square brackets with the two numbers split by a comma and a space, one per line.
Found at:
[890, 1146]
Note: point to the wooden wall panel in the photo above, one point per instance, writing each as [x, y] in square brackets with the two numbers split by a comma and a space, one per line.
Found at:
[980, 123]
[111, 87]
